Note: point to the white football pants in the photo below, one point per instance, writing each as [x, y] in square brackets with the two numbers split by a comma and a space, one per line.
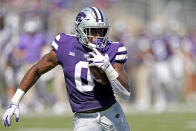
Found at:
[112, 119]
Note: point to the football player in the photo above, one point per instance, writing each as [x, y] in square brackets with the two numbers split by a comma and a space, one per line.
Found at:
[161, 79]
[93, 103]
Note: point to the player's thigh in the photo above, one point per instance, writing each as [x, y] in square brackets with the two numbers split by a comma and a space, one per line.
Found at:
[122, 125]
[120, 122]
[117, 117]
[87, 126]
[82, 123]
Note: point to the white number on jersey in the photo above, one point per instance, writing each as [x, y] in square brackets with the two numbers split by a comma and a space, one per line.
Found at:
[78, 72]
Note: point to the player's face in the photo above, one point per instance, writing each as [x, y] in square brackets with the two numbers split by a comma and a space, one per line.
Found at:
[95, 33]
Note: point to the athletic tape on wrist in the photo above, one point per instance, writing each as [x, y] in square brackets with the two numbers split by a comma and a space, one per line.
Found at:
[111, 73]
[18, 96]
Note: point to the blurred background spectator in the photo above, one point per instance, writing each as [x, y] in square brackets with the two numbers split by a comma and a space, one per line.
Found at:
[160, 36]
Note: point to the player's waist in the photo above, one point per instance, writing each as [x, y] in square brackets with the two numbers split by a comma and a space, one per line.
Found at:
[96, 110]
[102, 110]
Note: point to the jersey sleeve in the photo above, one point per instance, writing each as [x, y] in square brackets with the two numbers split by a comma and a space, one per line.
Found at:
[55, 43]
[121, 55]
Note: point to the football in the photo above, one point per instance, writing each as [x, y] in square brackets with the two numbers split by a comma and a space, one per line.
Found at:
[99, 75]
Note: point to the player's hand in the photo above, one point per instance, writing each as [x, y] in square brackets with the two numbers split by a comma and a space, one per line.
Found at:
[98, 60]
[13, 109]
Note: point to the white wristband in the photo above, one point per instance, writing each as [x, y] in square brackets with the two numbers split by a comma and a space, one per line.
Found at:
[18, 96]
[111, 73]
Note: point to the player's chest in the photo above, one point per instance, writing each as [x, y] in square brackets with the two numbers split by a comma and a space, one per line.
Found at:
[74, 60]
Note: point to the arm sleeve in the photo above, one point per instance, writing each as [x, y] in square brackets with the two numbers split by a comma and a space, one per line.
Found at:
[120, 90]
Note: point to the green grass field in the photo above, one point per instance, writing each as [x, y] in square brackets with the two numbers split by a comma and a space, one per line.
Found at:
[137, 122]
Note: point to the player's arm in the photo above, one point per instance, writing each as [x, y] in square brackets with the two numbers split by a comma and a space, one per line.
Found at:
[122, 77]
[115, 73]
[46, 63]
[119, 80]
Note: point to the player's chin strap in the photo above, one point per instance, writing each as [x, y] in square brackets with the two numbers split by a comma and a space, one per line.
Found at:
[116, 85]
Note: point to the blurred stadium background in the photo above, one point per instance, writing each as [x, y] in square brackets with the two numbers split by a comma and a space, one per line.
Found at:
[160, 36]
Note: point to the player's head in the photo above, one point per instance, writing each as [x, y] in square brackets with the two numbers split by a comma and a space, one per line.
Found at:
[32, 25]
[92, 26]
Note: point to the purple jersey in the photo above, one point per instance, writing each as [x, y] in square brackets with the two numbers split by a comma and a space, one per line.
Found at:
[84, 92]
[32, 46]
